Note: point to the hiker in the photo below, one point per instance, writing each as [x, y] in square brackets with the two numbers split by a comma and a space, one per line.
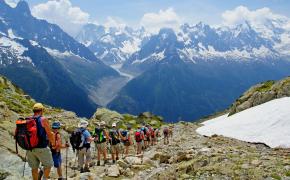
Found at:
[56, 149]
[41, 154]
[154, 136]
[126, 140]
[146, 138]
[84, 151]
[139, 137]
[115, 142]
[166, 135]
[101, 138]
[170, 132]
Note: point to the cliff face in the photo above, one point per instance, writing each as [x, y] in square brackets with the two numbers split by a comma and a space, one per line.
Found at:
[260, 94]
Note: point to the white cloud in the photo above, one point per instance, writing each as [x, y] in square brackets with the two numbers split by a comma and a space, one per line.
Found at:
[256, 17]
[164, 18]
[114, 22]
[12, 3]
[61, 12]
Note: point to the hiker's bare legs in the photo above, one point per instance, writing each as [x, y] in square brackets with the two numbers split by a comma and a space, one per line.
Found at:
[46, 172]
[99, 155]
[105, 154]
[59, 171]
[34, 174]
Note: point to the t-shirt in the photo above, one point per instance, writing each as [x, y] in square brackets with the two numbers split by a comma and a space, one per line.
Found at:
[87, 135]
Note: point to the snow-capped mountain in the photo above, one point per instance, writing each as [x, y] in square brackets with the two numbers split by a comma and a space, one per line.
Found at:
[203, 43]
[113, 45]
[20, 21]
[46, 62]
[198, 70]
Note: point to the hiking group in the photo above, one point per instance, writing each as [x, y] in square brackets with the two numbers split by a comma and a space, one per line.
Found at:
[43, 143]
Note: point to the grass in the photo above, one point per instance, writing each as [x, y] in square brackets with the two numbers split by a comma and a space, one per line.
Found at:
[266, 86]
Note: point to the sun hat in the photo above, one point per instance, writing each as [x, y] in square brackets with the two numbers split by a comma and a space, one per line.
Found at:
[114, 125]
[83, 124]
[38, 107]
[55, 125]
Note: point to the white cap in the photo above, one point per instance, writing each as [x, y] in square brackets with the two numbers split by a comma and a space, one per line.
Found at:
[83, 124]
[114, 125]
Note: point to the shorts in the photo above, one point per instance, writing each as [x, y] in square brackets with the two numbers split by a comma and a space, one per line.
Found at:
[39, 155]
[56, 159]
[116, 148]
[84, 156]
[126, 143]
[101, 147]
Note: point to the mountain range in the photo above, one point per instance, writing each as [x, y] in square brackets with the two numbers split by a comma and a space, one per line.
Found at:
[185, 74]
[48, 63]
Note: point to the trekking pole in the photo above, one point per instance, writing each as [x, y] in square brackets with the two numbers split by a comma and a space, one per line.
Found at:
[24, 164]
[66, 154]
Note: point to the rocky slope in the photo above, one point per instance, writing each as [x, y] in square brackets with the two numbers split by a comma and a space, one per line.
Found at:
[261, 93]
[188, 156]
[192, 156]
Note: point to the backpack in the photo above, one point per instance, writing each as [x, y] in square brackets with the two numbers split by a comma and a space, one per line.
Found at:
[99, 134]
[165, 131]
[115, 137]
[153, 133]
[126, 135]
[53, 151]
[138, 136]
[146, 132]
[26, 133]
[77, 139]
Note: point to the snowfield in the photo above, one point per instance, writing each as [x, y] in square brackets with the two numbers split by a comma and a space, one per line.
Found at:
[268, 123]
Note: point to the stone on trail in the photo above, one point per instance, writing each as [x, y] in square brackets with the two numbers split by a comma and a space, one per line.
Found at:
[113, 171]
[133, 160]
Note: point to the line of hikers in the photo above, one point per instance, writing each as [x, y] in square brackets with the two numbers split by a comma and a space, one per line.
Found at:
[44, 142]
[116, 141]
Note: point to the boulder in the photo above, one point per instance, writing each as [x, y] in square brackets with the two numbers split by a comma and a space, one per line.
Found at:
[113, 171]
[122, 164]
[133, 160]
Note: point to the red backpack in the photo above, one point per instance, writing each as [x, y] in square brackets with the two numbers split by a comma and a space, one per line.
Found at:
[26, 133]
[138, 136]
[152, 133]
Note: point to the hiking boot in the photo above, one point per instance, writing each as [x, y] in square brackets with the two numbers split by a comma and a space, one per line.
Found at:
[82, 170]
[105, 162]
[117, 158]
[86, 169]
[114, 161]
[98, 163]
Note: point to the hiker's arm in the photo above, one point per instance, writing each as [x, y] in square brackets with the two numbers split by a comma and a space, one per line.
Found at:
[107, 135]
[58, 144]
[46, 126]
[90, 139]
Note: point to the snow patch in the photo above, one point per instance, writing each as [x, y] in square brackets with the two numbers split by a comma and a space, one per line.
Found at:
[267, 123]
[129, 47]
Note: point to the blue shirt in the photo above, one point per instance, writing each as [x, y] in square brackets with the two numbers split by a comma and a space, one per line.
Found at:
[86, 135]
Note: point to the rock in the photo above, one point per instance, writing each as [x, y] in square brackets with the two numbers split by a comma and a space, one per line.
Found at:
[185, 176]
[139, 167]
[256, 162]
[245, 166]
[122, 164]
[148, 161]
[113, 171]
[128, 172]
[133, 160]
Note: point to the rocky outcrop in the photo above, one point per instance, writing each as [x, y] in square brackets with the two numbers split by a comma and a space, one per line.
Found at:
[123, 120]
[260, 94]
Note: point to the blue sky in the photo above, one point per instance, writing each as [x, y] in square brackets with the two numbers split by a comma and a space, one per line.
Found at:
[131, 11]
[71, 15]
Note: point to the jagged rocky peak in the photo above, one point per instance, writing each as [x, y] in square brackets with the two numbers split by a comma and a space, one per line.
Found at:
[23, 7]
